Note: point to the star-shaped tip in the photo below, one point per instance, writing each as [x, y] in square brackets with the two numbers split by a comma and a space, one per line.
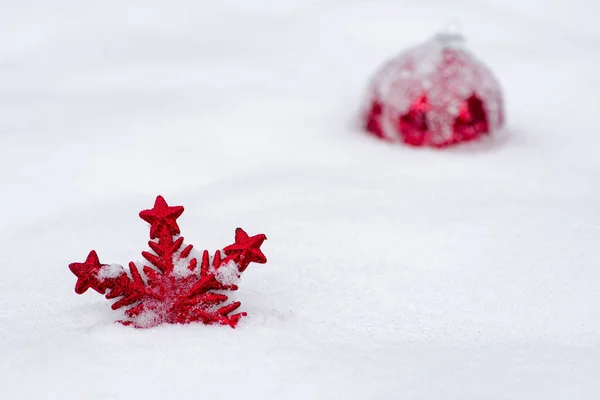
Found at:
[160, 201]
[246, 249]
[241, 235]
[86, 273]
[93, 258]
[162, 215]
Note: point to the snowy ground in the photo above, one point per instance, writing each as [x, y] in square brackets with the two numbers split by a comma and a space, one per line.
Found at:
[393, 273]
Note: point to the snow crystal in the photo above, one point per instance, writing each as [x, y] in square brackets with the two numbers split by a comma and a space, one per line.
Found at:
[110, 271]
[228, 274]
[148, 318]
[181, 267]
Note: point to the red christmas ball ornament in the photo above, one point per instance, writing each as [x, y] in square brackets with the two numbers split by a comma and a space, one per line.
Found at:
[436, 94]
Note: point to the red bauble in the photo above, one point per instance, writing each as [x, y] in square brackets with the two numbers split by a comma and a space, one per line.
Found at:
[435, 94]
[176, 284]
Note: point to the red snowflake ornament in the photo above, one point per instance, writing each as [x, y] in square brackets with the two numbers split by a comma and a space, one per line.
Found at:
[436, 94]
[176, 285]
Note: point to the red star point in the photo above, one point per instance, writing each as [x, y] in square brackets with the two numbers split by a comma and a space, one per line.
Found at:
[246, 249]
[86, 273]
[162, 216]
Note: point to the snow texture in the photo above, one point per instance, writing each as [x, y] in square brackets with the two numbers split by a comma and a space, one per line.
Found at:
[227, 274]
[393, 272]
[181, 265]
[110, 271]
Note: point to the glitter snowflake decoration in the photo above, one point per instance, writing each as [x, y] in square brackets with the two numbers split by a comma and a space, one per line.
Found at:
[176, 284]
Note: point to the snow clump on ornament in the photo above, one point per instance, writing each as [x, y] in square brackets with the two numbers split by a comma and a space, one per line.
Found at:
[435, 94]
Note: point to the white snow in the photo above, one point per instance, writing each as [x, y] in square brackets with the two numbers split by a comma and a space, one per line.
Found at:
[228, 274]
[181, 265]
[110, 271]
[393, 273]
[147, 319]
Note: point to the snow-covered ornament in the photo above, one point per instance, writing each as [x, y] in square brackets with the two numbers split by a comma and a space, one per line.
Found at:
[435, 94]
[176, 284]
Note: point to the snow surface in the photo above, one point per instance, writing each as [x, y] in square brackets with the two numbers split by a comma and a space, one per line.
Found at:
[393, 273]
